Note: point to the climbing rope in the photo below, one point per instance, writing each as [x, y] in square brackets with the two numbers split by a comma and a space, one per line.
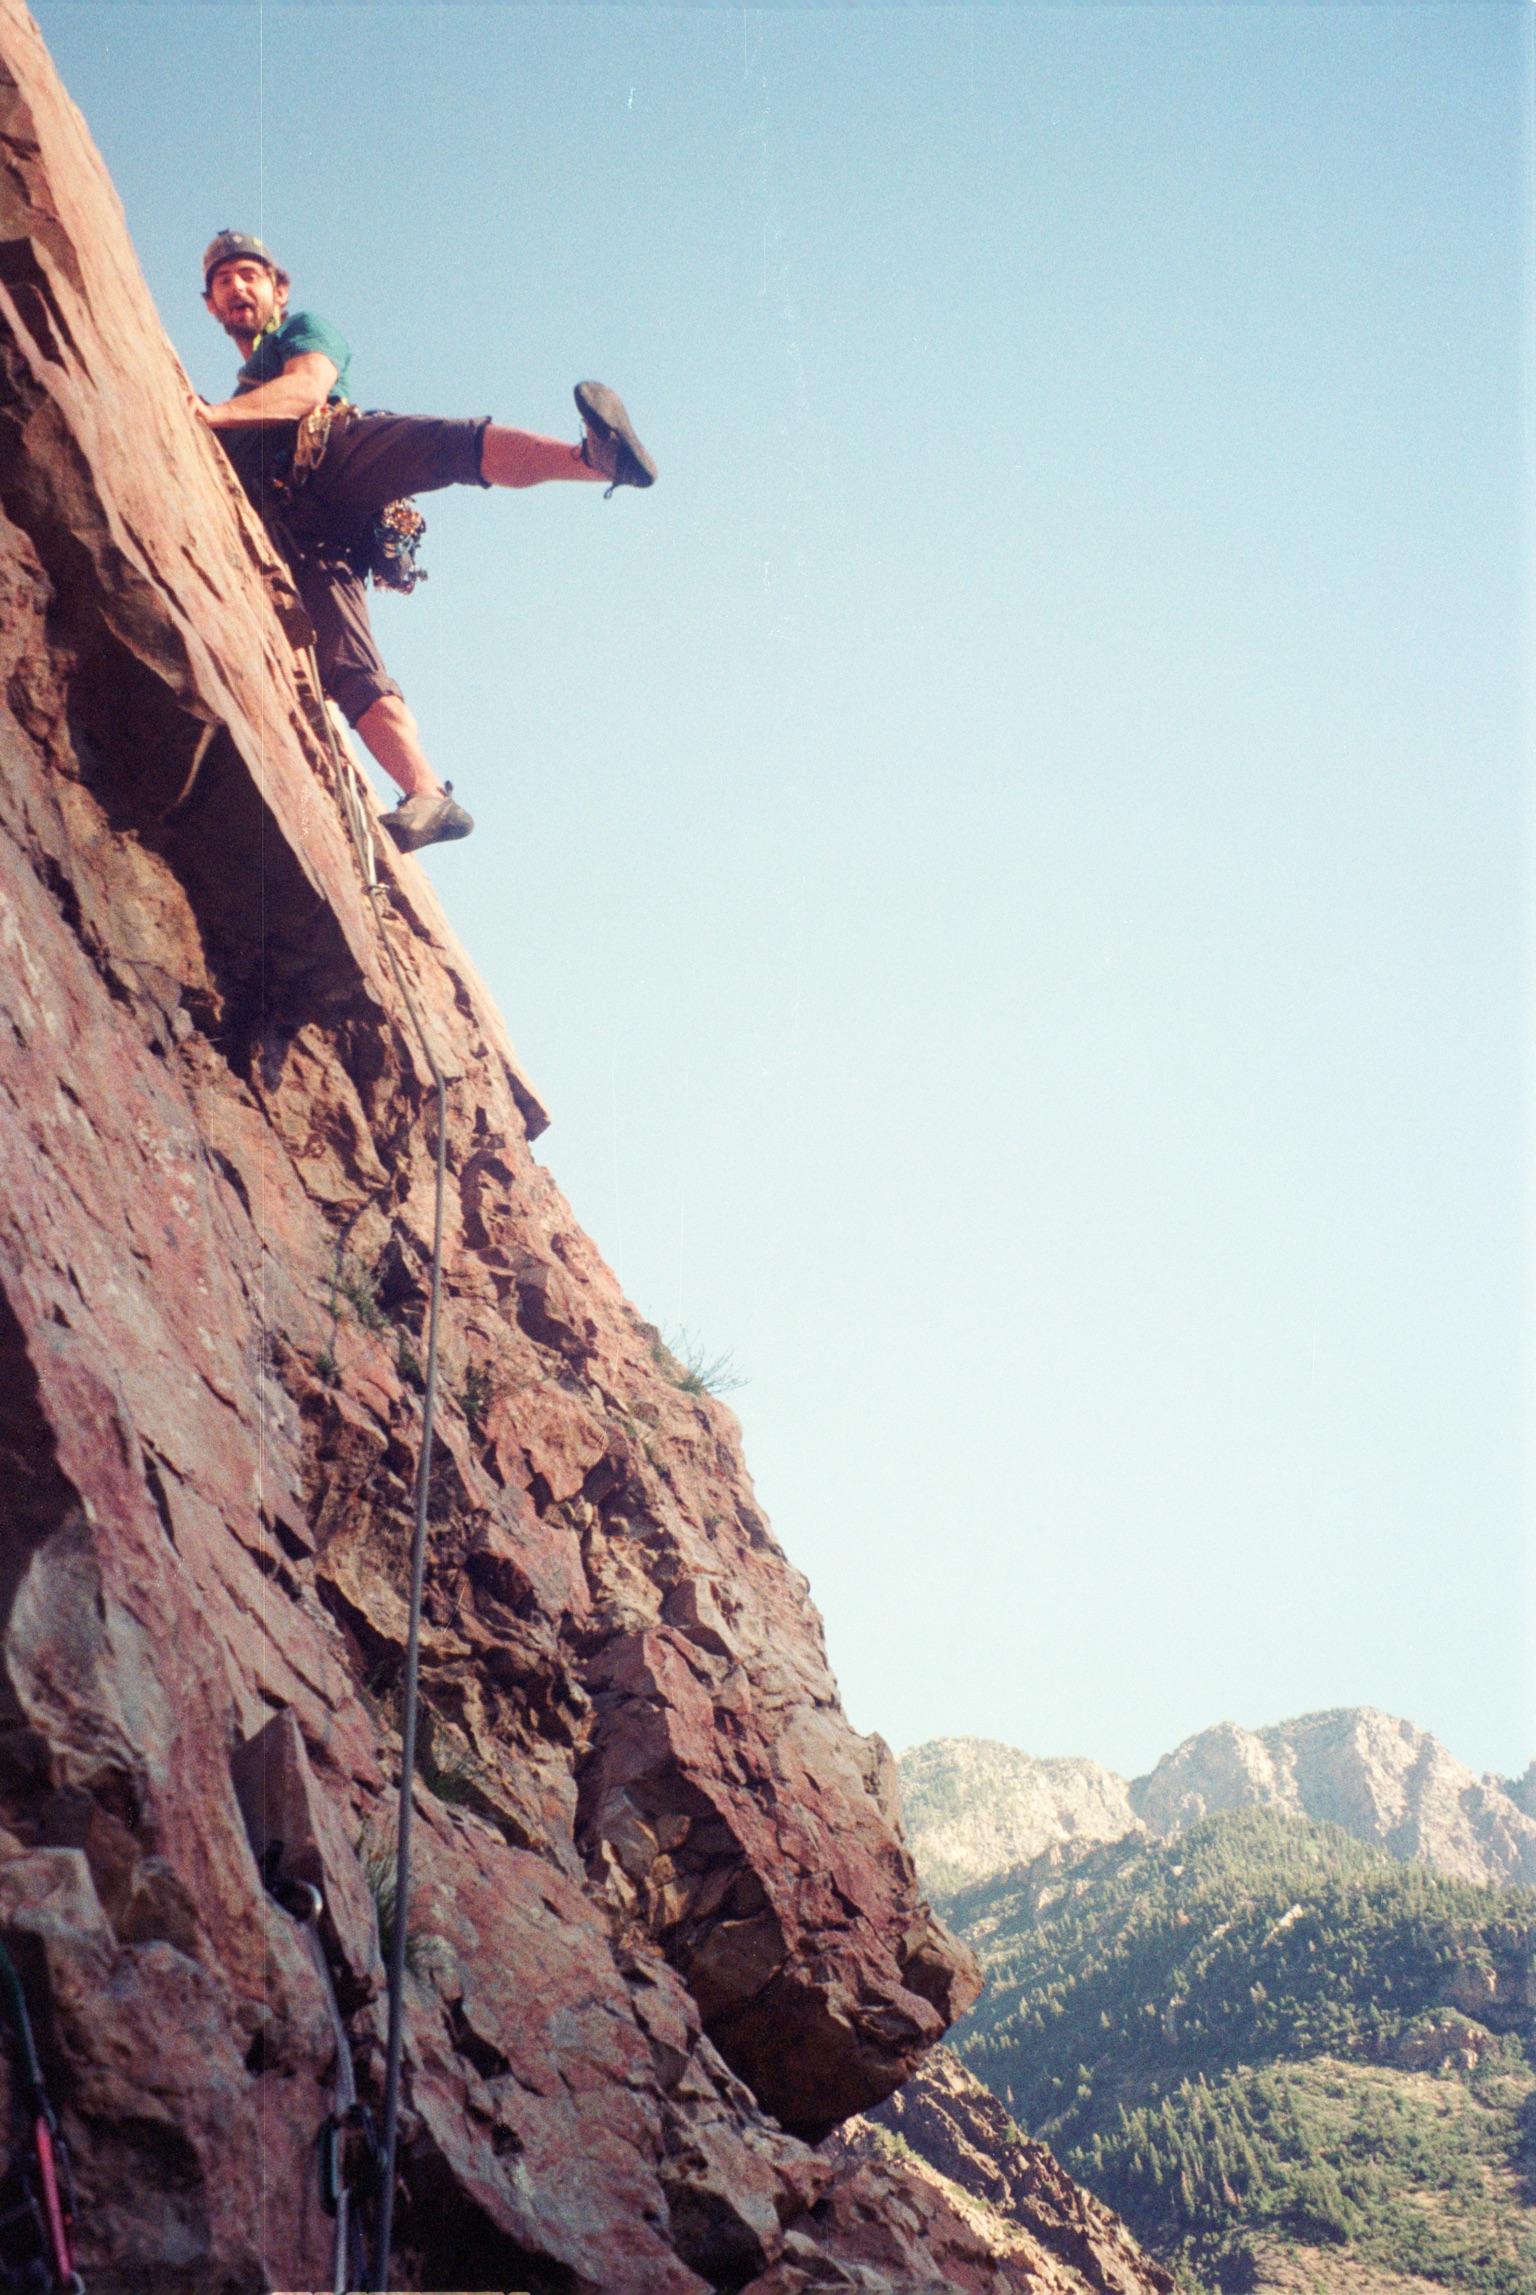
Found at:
[355, 810]
[46, 2204]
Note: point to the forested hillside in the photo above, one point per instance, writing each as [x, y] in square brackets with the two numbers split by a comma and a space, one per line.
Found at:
[1268, 2034]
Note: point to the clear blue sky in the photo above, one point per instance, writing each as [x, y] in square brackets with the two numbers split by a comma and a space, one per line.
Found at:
[1010, 864]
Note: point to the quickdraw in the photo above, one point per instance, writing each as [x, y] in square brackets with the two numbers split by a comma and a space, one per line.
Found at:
[349, 2149]
[36, 2202]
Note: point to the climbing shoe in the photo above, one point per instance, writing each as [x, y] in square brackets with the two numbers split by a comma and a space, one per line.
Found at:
[610, 445]
[424, 820]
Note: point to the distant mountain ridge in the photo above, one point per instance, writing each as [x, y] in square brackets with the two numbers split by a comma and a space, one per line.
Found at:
[975, 1807]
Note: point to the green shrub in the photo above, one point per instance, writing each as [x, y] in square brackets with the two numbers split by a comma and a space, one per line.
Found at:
[693, 1369]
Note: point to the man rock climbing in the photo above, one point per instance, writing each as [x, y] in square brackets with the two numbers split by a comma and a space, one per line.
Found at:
[320, 474]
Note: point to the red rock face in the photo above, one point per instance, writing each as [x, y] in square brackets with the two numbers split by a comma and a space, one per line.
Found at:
[665, 1925]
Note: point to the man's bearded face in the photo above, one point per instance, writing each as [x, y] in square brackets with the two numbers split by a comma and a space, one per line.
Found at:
[244, 297]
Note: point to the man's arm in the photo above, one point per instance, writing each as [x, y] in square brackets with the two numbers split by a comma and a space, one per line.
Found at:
[306, 379]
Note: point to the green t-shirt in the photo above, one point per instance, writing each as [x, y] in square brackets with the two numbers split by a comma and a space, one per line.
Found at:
[300, 331]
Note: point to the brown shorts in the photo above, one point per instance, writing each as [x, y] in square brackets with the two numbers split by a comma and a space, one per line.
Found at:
[352, 668]
[370, 459]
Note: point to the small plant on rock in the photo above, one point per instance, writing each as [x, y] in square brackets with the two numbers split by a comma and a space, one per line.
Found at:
[408, 1363]
[477, 1394]
[381, 1693]
[453, 1777]
[380, 1872]
[360, 1290]
[377, 1859]
[693, 1369]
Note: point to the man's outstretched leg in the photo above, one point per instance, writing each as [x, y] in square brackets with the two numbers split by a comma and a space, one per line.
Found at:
[609, 450]
[522, 458]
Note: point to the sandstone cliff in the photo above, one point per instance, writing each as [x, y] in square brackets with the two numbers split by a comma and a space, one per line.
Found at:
[666, 1929]
[974, 1807]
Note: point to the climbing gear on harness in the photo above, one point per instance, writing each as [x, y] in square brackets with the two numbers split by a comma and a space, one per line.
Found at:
[389, 551]
[313, 437]
[43, 2210]
[426, 820]
[347, 2140]
[235, 247]
[355, 811]
[610, 445]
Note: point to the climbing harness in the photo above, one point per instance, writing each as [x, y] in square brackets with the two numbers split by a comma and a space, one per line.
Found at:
[386, 552]
[354, 805]
[39, 2205]
[347, 2135]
